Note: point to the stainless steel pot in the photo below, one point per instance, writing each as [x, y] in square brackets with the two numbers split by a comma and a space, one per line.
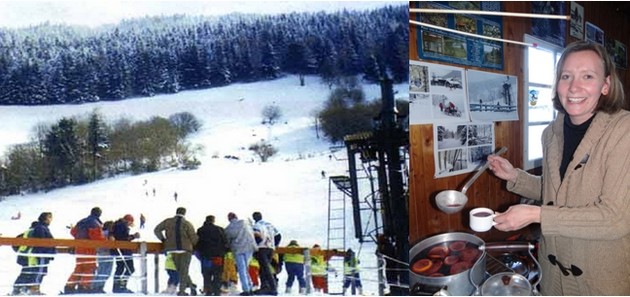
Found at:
[510, 283]
[506, 284]
[464, 283]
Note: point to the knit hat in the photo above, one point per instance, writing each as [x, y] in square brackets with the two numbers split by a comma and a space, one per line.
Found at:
[231, 216]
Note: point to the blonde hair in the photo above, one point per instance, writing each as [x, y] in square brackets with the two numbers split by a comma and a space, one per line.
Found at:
[609, 103]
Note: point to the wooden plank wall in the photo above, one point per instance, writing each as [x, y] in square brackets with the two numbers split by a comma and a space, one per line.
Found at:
[425, 219]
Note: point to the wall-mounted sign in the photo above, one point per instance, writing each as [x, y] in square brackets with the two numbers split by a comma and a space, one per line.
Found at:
[549, 30]
[439, 45]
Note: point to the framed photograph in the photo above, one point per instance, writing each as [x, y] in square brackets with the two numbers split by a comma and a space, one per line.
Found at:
[577, 20]
[594, 33]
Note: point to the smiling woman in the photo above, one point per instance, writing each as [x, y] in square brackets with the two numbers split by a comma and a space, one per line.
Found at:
[587, 138]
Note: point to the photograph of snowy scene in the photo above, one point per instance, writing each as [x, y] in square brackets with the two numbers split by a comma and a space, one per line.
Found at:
[126, 111]
[462, 147]
[418, 78]
[422, 106]
[448, 98]
[492, 96]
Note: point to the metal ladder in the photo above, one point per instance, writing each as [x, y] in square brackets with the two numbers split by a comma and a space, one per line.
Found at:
[338, 189]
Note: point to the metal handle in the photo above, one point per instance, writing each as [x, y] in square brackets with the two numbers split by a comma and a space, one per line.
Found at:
[516, 246]
[480, 171]
[507, 245]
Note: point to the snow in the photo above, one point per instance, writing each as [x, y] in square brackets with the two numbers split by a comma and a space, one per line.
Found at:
[288, 189]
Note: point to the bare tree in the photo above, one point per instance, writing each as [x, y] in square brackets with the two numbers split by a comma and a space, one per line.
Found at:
[271, 114]
[264, 150]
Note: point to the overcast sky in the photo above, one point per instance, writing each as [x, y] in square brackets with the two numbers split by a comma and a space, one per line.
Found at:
[20, 13]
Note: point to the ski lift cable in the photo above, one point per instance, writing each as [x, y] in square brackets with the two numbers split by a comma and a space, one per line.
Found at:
[492, 13]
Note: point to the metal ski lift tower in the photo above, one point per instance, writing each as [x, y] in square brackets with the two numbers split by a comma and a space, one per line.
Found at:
[393, 141]
[382, 150]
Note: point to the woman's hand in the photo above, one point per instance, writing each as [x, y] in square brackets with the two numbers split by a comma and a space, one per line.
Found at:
[517, 217]
[502, 168]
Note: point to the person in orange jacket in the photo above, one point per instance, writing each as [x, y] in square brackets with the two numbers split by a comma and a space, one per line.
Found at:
[90, 228]
[253, 270]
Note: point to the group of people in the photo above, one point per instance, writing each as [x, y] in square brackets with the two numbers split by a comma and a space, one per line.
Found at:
[213, 245]
[85, 278]
[94, 265]
[249, 247]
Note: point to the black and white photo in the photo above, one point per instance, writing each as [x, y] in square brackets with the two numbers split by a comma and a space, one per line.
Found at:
[492, 96]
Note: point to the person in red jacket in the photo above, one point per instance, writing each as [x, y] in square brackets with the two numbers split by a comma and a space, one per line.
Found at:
[90, 228]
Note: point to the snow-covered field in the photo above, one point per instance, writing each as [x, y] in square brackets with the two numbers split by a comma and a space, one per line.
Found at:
[289, 189]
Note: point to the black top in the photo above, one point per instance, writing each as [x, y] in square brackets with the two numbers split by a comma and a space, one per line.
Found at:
[573, 135]
[212, 242]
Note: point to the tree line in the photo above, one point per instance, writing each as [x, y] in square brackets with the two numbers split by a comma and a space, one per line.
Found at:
[77, 151]
[346, 111]
[59, 64]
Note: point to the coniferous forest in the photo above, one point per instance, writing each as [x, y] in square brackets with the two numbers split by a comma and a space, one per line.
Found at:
[59, 64]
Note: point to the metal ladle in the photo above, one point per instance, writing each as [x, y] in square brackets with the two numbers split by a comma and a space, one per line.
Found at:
[452, 201]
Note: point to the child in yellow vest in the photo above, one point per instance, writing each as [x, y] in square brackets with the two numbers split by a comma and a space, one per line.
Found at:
[294, 265]
[173, 276]
[253, 270]
[229, 277]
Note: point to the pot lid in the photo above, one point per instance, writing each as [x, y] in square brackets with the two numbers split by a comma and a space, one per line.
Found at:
[506, 284]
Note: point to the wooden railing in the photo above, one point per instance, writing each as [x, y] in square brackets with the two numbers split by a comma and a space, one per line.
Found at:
[144, 248]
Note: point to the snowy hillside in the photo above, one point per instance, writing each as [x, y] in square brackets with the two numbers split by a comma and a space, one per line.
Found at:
[289, 189]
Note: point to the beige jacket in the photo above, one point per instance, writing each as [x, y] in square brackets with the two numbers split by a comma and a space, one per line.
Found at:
[172, 229]
[585, 219]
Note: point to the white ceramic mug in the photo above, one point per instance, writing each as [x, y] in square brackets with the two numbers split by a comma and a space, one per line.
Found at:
[481, 219]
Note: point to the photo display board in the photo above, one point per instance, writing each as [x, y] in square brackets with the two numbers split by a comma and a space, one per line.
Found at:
[443, 46]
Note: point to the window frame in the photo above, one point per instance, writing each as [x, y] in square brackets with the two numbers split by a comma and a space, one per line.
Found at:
[527, 163]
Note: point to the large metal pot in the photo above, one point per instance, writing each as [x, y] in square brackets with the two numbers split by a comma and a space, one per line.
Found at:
[464, 283]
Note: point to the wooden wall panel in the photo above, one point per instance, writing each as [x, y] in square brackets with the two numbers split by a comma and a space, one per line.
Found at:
[488, 191]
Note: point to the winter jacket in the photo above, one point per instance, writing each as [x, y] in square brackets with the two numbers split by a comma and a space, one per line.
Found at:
[240, 237]
[88, 228]
[23, 249]
[41, 231]
[253, 263]
[177, 234]
[120, 231]
[294, 258]
[212, 242]
[318, 265]
[585, 218]
[350, 265]
[266, 233]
